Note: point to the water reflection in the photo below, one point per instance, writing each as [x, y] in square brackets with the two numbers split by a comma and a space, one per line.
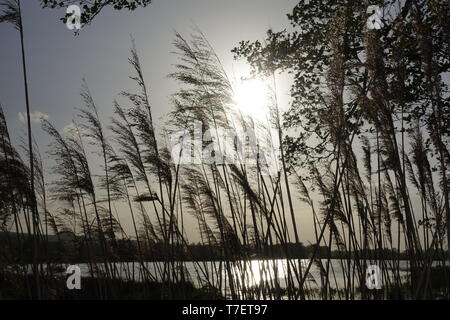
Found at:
[251, 279]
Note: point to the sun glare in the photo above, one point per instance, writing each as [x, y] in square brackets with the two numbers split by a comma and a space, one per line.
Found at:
[252, 98]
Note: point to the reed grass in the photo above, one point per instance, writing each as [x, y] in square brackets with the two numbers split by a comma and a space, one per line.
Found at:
[360, 192]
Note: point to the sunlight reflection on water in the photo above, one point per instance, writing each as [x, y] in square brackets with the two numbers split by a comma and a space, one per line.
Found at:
[258, 279]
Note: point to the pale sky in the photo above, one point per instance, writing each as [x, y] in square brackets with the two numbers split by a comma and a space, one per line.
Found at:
[57, 60]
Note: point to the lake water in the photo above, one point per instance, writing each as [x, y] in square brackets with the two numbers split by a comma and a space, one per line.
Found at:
[260, 277]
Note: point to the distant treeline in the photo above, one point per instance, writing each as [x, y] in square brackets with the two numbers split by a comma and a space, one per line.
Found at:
[74, 249]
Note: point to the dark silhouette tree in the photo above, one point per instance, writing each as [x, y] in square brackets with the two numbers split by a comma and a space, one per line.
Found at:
[91, 8]
[349, 80]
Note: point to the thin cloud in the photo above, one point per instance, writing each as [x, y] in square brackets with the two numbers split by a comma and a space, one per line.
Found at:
[70, 129]
[35, 117]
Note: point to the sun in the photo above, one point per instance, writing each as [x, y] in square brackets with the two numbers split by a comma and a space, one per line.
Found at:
[252, 98]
